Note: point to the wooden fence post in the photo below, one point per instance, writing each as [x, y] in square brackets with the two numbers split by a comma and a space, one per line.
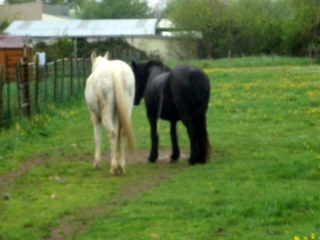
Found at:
[1, 86]
[77, 72]
[7, 80]
[62, 78]
[19, 86]
[36, 89]
[55, 79]
[71, 74]
[26, 86]
[84, 72]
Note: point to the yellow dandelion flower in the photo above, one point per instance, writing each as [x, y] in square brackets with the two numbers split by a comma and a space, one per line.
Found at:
[19, 128]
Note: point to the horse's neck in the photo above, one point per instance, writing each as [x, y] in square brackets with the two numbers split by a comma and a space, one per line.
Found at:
[97, 62]
[155, 71]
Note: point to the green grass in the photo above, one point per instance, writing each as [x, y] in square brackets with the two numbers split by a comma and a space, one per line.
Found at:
[215, 205]
[262, 181]
[262, 61]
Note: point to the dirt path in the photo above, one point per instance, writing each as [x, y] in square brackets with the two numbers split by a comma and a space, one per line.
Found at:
[78, 222]
[74, 224]
[9, 178]
[24, 166]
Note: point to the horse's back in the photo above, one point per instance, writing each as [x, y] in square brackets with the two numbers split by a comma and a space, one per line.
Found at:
[126, 75]
[190, 88]
[100, 79]
[158, 99]
[99, 85]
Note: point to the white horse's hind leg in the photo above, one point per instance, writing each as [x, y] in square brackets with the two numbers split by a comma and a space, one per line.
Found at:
[118, 162]
[113, 136]
[122, 141]
[97, 139]
[118, 165]
[111, 124]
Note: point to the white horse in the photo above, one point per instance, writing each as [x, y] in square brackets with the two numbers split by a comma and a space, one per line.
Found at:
[109, 94]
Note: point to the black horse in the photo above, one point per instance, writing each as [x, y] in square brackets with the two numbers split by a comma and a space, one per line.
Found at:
[178, 94]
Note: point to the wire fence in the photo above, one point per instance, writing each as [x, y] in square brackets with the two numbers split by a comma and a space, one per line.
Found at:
[30, 88]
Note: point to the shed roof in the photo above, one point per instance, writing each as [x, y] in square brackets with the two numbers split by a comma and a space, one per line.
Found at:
[12, 41]
[83, 28]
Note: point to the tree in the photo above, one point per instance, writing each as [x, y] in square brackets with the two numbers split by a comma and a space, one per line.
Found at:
[61, 2]
[4, 20]
[210, 17]
[250, 27]
[18, 1]
[302, 30]
[111, 9]
[3, 25]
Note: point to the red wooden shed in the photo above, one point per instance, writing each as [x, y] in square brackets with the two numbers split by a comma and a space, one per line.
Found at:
[12, 49]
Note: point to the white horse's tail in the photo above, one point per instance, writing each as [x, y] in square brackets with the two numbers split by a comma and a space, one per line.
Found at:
[123, 115]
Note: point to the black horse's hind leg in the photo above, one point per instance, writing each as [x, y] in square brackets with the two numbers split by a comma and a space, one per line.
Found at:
[200, 147]
[154, 140]
[174, 141]
[198, 153]
[193, 143]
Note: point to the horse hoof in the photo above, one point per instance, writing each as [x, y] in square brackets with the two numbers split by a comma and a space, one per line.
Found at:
[175, 156]
[191, 163]
[96, 165]
[152, 159]
[173, 161]
[202, 161]
[117, 171]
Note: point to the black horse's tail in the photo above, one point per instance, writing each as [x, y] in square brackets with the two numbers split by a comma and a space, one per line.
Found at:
[200, 92]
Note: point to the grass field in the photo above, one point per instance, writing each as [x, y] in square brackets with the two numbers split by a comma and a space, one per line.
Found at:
[262, 181]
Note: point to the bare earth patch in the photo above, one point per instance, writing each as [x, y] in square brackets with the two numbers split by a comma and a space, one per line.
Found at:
[9, 178]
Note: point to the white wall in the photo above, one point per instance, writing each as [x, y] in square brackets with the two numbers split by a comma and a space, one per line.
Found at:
[48, 17]
[166, 47]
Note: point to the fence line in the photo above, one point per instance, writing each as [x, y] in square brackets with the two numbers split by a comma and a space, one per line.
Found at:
[1, 86]
[36, 86]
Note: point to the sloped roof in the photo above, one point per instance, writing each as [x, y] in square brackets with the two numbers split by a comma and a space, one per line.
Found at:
[12, 41]
[83, 28]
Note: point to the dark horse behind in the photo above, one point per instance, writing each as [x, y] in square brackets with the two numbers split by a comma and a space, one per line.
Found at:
[178, 94]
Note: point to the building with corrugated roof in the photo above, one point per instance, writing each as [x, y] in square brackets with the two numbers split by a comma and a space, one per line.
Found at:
[143, 34]
[84, 28]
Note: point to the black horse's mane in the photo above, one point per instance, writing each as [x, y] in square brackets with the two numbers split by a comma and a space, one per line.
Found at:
[156, 63]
